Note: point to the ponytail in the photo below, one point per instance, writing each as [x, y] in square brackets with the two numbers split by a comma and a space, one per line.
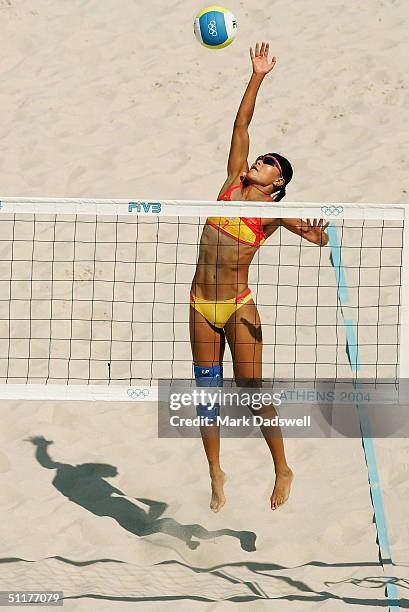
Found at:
[279, 194]
[287, 174]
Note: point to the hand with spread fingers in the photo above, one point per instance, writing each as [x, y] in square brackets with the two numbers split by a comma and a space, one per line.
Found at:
[315, 231]
[259, 59]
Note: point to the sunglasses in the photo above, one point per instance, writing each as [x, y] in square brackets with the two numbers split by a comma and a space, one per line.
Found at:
[270, 161]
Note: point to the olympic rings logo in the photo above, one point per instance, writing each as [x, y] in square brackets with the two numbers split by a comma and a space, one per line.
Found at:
[211, 28]
[332, 210]
[138, 394]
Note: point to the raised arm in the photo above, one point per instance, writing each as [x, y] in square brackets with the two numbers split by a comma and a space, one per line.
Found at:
[239, 148]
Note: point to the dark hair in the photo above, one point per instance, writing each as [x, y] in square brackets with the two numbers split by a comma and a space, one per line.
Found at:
[287, 171]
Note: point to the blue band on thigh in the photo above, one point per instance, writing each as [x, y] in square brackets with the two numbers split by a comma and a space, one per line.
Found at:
[207, 411]
[208, 376]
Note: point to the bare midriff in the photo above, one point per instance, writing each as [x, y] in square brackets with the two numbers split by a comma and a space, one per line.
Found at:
[223, 266]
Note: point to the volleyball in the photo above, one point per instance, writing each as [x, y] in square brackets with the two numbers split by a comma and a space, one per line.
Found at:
[215, 27]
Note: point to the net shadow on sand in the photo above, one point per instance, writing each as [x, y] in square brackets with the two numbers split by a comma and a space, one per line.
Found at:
[114, 580]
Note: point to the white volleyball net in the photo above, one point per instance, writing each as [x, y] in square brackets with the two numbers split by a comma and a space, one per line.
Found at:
[94, 294]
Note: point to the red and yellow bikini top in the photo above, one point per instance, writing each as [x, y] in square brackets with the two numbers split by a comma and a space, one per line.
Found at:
[248, 230]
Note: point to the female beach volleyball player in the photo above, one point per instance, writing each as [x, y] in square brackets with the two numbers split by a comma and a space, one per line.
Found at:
[222, 307]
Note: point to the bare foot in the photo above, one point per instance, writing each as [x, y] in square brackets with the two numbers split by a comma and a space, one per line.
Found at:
[282, 487]
[218, 478]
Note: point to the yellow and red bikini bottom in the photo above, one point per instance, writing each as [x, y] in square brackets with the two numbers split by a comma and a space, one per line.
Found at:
[219, 312]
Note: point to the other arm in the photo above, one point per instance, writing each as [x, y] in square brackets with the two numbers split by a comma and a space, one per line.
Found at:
[313, 232]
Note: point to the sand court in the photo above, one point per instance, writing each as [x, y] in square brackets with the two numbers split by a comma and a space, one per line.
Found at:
[330, 558]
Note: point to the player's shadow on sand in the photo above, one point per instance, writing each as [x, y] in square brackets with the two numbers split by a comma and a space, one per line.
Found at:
[85, 485]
